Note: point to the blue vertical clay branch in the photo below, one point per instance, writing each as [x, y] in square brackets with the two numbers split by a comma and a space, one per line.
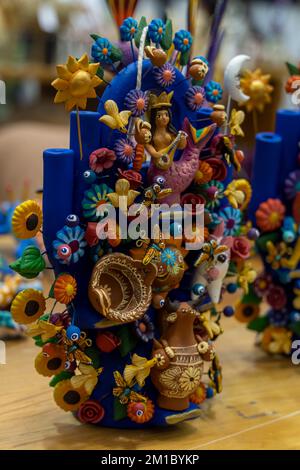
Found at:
[266, 169]
[288, 127]
[90, 134]
[57, 193]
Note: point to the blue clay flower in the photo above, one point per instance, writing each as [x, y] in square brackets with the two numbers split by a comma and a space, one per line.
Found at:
[128, 29]
[213, 91]
[74, 238]
[183, 40]
[232, 220]
[94, 198]
[156, 30]
[278, 317]
[101, 50]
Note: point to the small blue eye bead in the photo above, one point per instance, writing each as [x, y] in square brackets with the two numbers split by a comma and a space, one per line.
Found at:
[199, 289]
[72, 220]
[89, 176]
[73, 333]
[228, 311]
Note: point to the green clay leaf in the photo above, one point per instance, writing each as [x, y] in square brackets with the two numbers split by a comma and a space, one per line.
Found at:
[116, 54]
[64, 375]
[166, 41]
[295, 327]
[137, 38]
[128, 340]
[120, 411]
[259, 324]
[293, 69]
[184, 57]
[251, 297]
[31, 263]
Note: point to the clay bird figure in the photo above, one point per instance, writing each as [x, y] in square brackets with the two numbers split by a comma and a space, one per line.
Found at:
[139, 369]
[115, 119]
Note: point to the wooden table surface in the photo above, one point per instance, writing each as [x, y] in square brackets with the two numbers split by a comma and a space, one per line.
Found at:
[259, 407]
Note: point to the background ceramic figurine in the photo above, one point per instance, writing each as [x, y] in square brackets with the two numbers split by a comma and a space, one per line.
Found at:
[271, 307]
[151, 142]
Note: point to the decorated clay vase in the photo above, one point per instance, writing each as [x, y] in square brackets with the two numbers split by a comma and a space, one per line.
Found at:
[180, 356]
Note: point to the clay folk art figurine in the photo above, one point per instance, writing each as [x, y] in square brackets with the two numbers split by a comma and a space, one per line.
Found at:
[130, 320]
[272, 306]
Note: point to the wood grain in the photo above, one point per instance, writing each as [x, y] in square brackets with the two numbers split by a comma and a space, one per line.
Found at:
[259, 407]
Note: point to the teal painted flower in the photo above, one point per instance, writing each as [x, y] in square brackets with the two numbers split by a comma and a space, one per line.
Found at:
[94, 198]
[214, 193]
[73, 242]
[101, 50]
[128, 29]
[232, 220]
[213, 91]
[168, 257]
[156, 30]
[182, 40]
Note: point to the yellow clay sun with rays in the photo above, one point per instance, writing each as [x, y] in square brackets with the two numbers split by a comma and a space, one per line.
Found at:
[76, 82]
[256, 85]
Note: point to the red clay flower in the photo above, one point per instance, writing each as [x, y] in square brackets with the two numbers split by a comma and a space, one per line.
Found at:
[102, 159]
[134, 178]
[276, 297]
[240, 248]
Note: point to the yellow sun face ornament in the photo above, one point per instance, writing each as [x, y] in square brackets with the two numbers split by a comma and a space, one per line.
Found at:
[28, 306]
[256, 85]
[76, 82]
[27, 219]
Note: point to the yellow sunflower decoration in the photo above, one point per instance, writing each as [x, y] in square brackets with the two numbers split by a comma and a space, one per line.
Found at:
[68, 397]
[27, 219]
[245, 313]
[76, 82]
[28, 306]
[256, 85]
[48, 365]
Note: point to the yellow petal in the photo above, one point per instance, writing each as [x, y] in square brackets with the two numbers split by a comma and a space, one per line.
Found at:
[122, 187]
[72, 64]
[61, 96]
[96, 81]
[91, 93]
[63, 72]
[81, 102]
[92, 69]
[70, 104]
[84, 62]
[132, 195]
[60, 84]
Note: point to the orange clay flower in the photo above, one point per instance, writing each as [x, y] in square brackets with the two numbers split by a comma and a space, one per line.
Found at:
[140, 411]
[65, 288]
[291, 85]
[199, 395]
[204, 173]
[269, 215]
